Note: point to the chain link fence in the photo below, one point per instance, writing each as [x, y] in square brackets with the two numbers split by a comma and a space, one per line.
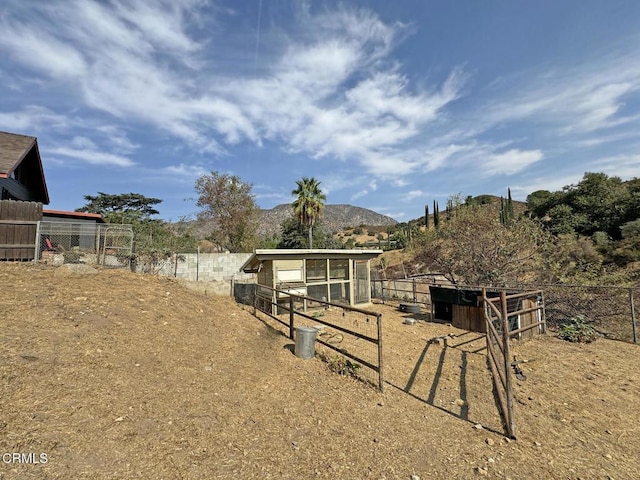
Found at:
[610, 310]
[93, 244]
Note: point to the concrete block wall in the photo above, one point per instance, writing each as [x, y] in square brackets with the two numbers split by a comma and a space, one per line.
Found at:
[209, 267]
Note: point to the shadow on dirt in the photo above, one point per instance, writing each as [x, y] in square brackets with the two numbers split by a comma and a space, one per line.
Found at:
[449, 346]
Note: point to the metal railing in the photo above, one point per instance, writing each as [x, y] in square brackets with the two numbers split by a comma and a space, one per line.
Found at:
[352, 332]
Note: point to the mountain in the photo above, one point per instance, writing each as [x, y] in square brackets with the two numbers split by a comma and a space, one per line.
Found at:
[335, 217]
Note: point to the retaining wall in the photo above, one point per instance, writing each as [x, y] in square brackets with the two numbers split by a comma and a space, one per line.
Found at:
[208, 267]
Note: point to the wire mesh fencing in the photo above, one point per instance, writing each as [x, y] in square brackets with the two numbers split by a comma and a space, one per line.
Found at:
[609, 309]
[108, 245]
[350, 338]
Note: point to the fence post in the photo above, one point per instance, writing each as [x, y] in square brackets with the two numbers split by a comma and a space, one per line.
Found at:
[511, 428]
[291, 328]
[197, 262]
[36, 252]
[544, 313]
[415, 295]
[380, 362]
[633, 316]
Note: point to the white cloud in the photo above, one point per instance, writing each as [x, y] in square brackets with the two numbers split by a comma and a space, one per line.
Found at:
[83, 143]
[551, 183]
[118, 138]
[31, 118]
[412, 195]
[331, 92]
[576, 99]
[183, 170]
[41, 50]
[511, 162]
[359, 194]
[92, 156]
[625, 166]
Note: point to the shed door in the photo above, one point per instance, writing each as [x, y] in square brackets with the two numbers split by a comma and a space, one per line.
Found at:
[361, 279]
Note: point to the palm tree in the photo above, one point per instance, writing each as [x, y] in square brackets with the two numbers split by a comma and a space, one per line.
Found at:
[309, 204]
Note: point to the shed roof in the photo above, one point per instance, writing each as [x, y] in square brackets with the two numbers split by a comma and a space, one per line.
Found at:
[253, 263]
[14, 149]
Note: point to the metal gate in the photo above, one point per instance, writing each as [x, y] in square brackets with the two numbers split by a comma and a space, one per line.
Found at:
[89, 243]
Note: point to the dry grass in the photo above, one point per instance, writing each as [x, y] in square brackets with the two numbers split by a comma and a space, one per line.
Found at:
[125, 376]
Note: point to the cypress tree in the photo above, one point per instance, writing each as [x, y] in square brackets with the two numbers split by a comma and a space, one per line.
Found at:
[426, 216]
[510, 214]
[436, 214]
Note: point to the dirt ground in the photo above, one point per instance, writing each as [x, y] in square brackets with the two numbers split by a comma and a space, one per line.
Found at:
[117, 375]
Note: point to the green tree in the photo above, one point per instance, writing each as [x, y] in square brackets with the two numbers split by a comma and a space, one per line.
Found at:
[426, 216]
[627, 250]
[601, 200]
[436, 215]
[228, 205]
[122, 207]
[510, 212]
[154, 241]
[309, 203]
[294, 235]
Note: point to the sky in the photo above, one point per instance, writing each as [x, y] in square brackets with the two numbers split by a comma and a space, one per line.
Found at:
[390, 105]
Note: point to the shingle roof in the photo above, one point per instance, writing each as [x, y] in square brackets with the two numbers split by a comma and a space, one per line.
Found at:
[22, 151]
[13, 148]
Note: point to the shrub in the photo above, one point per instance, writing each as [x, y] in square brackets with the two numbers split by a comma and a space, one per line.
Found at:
[578, 330]
[357, 231]
[344, 366]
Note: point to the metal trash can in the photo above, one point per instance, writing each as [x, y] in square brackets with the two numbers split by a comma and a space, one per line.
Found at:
[305, 342]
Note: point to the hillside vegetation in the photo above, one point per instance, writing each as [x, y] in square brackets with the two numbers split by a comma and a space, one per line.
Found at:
[588, 233]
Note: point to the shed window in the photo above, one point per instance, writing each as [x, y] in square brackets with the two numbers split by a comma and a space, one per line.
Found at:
[339, 269]
[316, 270]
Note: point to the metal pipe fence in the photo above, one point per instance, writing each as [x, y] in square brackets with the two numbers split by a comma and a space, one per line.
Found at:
[353, 333]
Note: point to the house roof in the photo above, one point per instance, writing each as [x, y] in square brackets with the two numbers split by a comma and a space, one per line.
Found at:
[74, 215]
[14, 149]
[253, 263]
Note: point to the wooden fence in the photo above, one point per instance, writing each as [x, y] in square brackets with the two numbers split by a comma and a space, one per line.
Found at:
[499, 325]
[351, 332]
[18, 225]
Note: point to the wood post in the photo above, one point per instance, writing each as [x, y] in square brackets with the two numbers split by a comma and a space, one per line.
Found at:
[291, 327]
[511, 428]
[36, 256]
[633, 316]
[415, 295]
[380, 362]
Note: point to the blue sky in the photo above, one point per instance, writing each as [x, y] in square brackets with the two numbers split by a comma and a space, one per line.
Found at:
[391, 105]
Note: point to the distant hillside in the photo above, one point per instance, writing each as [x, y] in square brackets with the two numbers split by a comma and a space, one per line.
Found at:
[491, 202]
[335, 217]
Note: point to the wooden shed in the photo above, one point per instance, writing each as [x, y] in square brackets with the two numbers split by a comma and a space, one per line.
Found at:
[339, 276]
[463, 309]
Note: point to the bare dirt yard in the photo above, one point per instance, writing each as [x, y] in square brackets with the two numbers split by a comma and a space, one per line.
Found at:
[120, 376]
